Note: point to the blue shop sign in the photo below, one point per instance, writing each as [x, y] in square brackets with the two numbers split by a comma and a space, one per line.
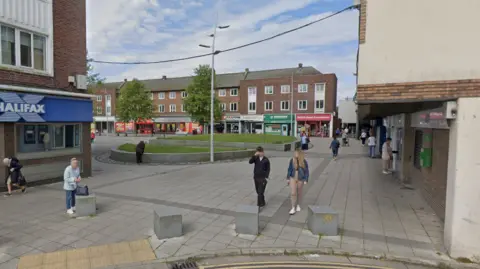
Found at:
[16, 107]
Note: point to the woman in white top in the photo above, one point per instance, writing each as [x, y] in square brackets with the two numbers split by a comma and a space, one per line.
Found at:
[387, 156]
[363, 136]
[371, 146]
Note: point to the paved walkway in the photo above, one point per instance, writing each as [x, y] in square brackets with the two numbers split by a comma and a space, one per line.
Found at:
[377, 216]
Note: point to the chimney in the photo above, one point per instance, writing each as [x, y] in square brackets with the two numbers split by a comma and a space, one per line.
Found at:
[164, 77]
[300, 65]
[246, 73]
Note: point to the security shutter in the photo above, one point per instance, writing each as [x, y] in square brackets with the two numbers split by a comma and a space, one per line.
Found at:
[418, 148]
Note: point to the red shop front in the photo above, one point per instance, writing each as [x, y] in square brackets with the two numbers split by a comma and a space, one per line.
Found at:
[315, 124]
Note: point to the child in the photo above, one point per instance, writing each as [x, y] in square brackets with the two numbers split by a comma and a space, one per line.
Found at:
[334, 146]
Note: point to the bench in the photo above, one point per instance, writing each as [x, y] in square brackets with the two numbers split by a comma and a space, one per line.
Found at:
[322, 220]
[86, 205]
[247, 220]
[167, 224]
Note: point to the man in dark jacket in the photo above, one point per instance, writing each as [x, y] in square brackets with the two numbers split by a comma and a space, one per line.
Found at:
[261, 172]
[14, 176]
[139, 150]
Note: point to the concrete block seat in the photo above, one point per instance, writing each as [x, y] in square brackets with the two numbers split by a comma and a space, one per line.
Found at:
[86, 205]
[322, 220]
[167, 224]
[247, 220]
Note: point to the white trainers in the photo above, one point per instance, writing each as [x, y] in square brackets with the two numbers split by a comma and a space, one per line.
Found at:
[74, 209]
[292, 211]
[70, 211]
[298, 208]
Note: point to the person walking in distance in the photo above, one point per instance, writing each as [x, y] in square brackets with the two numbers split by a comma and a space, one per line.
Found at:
[363, 136]
[371, 146]
[71, 177]
[297, 176]
[139, 150]
[46, 141]
[387, 156]
[334, 146]
[261, 172]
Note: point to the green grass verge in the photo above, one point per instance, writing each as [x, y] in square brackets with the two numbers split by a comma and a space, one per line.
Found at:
[149, 148]
[246, 138]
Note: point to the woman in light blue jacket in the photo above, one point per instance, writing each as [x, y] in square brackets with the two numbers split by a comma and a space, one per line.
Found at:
[71, 177]
[297, 176]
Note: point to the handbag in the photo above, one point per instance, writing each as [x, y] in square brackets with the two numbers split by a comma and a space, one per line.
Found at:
[21, 180]
[82, 190]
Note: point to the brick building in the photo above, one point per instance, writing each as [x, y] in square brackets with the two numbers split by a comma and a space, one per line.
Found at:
[43, 86]
[419, 83]
[252, 101]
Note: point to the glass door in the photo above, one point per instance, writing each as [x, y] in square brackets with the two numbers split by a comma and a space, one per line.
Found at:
[59, 136]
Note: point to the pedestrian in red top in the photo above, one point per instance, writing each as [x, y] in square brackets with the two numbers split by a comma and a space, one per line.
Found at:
[92, 136]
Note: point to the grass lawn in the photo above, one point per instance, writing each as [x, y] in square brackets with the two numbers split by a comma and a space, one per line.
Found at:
[149, 148]
[248, 138]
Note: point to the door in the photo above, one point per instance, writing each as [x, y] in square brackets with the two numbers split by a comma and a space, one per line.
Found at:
[59, 136]
[69, 131]
[284, 129]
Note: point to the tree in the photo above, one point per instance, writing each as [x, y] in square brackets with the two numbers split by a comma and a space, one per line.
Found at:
[93, 79]
[197, 102]
[134, 102]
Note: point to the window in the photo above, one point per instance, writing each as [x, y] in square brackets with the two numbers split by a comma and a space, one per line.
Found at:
[151, 96]
[184, 94]
[20, 48]
[268, 89]
[285, 89]
[302, 105]
[109, 110]
[320, 88]
[319, 105]
[285, 105]
[42, 137]
[234, 92]
[252, 90]
[172, 95]
[223, 106]
[268, 106]
[182, 108]
[222, 92]
[99, 98]
[99, 110]
[302, 87]
[173, 108]
[252, 106]
[417, 149]
[161, 95]
[108, 97]
[161, 108]
[233, 106]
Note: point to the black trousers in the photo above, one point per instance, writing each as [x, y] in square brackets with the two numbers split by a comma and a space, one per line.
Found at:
[363, 141]
[139, 157]
[260, 186]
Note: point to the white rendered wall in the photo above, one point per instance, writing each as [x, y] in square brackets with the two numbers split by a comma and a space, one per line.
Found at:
[462, 220]
[420, 40]
[347, 111]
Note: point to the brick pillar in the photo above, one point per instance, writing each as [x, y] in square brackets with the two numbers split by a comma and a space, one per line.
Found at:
[7, 147]
[86, 150]
[408, 150]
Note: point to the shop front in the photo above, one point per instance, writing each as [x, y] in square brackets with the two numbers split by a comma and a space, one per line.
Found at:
[315, 124]
[231, 124]
[251, 124]
[279, 124]
[44, 131]
[172, 125]
[104, 124]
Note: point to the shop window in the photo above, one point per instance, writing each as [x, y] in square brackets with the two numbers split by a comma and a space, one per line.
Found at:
[417, 148]
[46, 137]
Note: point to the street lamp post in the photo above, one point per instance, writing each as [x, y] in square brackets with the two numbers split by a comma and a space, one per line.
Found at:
[212, 89]
[106, 110]
[291, 102]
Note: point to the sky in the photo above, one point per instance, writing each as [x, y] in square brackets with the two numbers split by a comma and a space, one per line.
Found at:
[149, 30]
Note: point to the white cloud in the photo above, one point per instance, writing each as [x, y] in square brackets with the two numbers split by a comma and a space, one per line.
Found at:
[146, 30]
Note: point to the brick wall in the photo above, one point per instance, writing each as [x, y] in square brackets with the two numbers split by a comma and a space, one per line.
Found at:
[70, 51]
[103, 92]
[277, 97]
[426, 90]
